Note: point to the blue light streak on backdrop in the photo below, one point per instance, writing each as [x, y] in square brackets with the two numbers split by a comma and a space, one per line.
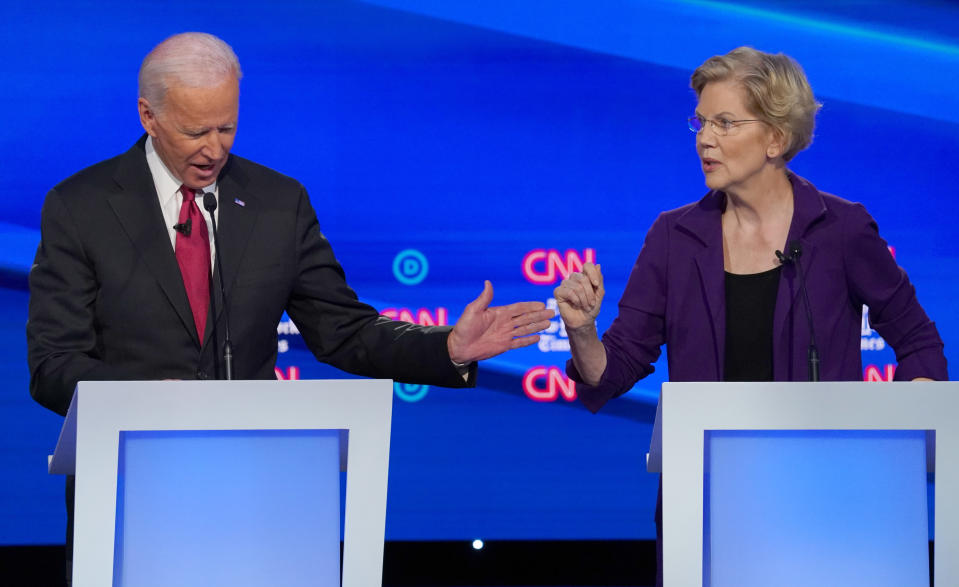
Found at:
[475, 133]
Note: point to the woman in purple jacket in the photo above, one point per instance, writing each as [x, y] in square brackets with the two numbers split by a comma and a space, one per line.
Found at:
[711, 281]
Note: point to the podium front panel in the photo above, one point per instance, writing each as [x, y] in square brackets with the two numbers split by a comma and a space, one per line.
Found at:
[278, 413]
[689, 411]
[821, 507]
[235, 507]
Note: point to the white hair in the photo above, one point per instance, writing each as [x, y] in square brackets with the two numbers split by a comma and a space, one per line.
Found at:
[195, 60]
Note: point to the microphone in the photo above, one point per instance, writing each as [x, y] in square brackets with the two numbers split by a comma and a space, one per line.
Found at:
[795, 252]
[783, 259]
[209, 203]
[184, 228]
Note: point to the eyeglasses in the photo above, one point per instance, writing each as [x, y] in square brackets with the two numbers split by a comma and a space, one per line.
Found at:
[720, 126]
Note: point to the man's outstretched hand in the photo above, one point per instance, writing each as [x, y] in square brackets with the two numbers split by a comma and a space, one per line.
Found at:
[483, 331]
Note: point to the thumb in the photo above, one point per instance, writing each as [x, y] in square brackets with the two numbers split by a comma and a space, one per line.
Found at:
[483, 301]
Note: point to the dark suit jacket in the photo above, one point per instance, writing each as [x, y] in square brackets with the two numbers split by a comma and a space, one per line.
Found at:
[107, 301]
[675, 296]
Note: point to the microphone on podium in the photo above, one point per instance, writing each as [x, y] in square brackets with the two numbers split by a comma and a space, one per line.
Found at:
[209, 203]
[795, 252]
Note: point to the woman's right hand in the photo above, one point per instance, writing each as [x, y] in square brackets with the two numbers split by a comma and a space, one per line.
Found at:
[580, 296]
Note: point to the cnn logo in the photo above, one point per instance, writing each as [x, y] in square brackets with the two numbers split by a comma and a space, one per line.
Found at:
[546, 266]
[548, 384]
[423, 316]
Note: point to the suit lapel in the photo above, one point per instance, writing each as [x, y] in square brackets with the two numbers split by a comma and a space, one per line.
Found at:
[138, 209]
[703, 222]
[238, 211]
[808, 208]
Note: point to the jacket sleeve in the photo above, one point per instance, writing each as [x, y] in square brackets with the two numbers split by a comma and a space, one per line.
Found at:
[344, 332]
[633, 342]
[876, 280]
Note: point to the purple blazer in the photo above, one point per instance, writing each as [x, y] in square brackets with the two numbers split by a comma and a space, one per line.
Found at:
[676, 296]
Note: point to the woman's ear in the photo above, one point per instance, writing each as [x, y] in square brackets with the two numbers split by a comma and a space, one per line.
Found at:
[777, 144]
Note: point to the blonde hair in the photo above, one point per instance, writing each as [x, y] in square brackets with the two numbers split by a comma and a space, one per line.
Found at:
[195, 60]
[776, 90]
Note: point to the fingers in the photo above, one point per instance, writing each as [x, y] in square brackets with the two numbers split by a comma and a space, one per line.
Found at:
[540, 317]
[521, 308]
[578, 290]
[527, 328]
[594, 274]
[518, 343]
[521, 327]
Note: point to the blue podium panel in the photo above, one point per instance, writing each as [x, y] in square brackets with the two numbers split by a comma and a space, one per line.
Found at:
[801, 508]
[234, 507]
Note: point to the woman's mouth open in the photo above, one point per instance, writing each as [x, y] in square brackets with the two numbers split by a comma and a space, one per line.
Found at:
[710, 165]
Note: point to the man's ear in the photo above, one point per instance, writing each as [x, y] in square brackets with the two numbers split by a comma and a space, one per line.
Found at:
[147, 116]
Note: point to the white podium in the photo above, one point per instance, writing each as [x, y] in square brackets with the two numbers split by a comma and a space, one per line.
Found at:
[807, 483]
[227, 482]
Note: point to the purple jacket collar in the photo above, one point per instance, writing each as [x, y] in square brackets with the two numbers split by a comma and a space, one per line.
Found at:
[702, 221]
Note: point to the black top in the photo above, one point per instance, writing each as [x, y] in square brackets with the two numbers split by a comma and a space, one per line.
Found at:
[750, 304]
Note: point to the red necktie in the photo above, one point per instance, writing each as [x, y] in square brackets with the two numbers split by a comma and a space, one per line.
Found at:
[193, 257]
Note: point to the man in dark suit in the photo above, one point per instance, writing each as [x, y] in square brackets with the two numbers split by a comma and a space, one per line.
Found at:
[120, 288]
[112, 299]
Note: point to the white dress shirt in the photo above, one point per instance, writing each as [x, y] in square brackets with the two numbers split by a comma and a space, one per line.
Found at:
[171, 200]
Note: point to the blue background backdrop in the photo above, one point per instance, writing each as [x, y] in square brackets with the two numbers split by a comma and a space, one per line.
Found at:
[474, 133]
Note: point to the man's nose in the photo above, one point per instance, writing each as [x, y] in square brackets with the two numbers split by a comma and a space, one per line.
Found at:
[212, 147]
